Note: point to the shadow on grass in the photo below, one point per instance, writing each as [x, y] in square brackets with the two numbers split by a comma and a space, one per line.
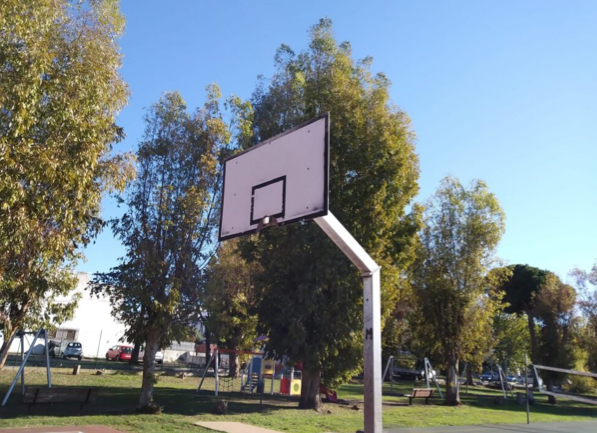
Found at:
[123, 401]
[563, 408]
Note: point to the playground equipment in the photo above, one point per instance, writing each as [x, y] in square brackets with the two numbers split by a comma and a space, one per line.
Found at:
[428, 370]
[389, 368]
[504, 383]
[252, 378]
[21, 371]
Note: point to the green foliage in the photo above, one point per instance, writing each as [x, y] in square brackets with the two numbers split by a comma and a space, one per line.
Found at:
[168, 227]
[454, 285]
[581, 385]
[521, 287]
[586, 283]
[520, 291]
[511, 332]
[60, 92]
[312, 294]
[230, 298]
[554, 309]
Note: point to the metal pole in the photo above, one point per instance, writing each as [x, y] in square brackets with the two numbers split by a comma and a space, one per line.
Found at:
[207, 364]
[385, 372]
[426, 374]
[370, 271]
[500, 372]
[439, 391]
[216, 370]
[526, 388]
[21, 368]
[22, 358]
[392, 376]
[98, 347]
[49, 374]
[372, 322]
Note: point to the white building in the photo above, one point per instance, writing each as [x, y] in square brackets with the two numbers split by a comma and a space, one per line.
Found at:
[92, 325]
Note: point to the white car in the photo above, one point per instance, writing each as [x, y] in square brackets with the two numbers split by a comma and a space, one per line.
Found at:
[159, 356]
[68, 349]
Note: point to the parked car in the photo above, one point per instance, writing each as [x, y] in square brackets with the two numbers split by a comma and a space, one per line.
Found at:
[531, 381]
[159, 356]
[487, 376]
[119, 353]
[67, 349]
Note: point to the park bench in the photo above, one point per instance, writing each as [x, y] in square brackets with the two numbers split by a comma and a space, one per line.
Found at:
[420, 393]
[34, 395]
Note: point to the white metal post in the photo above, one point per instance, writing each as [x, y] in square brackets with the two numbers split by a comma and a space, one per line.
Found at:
[372, 322]
[372, 315]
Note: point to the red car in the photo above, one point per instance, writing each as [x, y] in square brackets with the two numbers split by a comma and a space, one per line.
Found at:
[119, 353]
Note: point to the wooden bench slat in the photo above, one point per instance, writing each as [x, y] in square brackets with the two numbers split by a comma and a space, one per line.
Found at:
[60, 395]
[420, 393]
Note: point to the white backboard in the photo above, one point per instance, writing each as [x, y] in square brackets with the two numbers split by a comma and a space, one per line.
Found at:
[285, 177]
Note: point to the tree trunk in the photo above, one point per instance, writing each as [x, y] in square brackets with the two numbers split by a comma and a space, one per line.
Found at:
[6, 345]
[531, 322]
[469, 376]
[550, 385]
[207, 347]
[135, 354]
[233, 370]
[233, 362]
[452, 391]
[151, 348]
[310, 383]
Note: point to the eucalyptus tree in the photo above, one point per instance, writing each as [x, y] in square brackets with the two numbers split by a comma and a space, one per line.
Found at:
[60, 92]
[311, 295]
[168, 227]
[230, 300]
[453, 278]
[586, 283]
[520, 293]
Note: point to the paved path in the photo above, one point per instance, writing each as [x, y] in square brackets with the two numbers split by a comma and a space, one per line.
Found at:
[551, 427]
[233, 427]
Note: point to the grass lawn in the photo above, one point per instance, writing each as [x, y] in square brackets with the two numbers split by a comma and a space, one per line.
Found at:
[119, 393]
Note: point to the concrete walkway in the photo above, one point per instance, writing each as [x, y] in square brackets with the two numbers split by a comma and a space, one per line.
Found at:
[551, 427]
[234, 427]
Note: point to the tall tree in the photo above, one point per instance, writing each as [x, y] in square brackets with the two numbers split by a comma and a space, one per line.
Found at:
[511, 332]
[586, 282]
[311, 304]
[520, 291]
[230, 301]
[554, 307]
[60, 92]
[168, 227]
[453, 280]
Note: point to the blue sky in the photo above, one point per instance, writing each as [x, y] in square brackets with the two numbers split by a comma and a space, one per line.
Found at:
[504, 91]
